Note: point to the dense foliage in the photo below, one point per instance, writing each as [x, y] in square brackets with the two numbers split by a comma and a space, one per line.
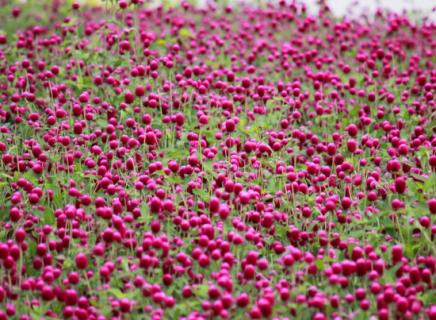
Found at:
[225, 162]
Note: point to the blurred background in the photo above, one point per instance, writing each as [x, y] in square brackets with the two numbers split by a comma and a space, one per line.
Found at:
[342, 7]
[339, 7]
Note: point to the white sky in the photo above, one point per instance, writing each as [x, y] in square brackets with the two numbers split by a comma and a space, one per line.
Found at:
[340, 7]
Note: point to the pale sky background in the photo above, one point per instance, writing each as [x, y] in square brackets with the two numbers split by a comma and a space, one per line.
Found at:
[340, 7]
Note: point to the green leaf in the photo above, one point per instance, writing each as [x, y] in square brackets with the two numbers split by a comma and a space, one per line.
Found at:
[145, 213]
[430, 182]
[48, 217]
[117, 293]
[201, 291]
[203, 195]
[37, 312]
[6, 176]
[185, 32]
[427, 298]
[319, 263]
[207, 166]
[174, 179]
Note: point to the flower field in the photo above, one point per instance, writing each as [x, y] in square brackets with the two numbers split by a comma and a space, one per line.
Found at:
[216, 162]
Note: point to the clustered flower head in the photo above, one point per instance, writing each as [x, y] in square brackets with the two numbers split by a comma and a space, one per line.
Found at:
[216, 162]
